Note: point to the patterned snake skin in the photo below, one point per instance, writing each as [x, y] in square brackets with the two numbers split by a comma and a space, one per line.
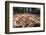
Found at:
[26, 20]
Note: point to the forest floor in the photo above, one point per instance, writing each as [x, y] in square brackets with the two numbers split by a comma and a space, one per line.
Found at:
[26, 20]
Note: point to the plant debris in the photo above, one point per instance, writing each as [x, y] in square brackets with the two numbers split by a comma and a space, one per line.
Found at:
[26, 20]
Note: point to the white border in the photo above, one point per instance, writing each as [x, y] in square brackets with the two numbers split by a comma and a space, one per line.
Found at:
[11, 29]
